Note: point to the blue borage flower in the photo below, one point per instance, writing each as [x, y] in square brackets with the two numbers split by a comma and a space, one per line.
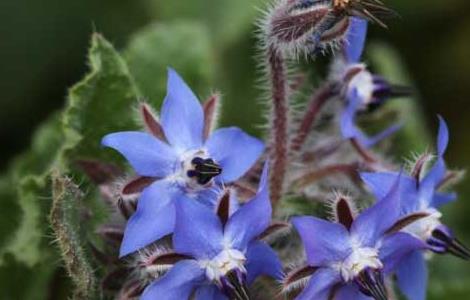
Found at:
[362, 89]
[349, 259]
[222, 256]
[421, 196]
[186, 164]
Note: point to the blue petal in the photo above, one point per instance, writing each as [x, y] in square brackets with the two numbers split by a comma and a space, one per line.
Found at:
[198, 231]
[177, 284]
[234, 150]
[350, 292]
[396, 247]
[208, 196]
[442, 137]
[380, 184]
[371, 224]
[320, 284]
[182, 116]
[324, 242]
[349, 129]
[355, 39]
[209, 292]
[412, 275]
[347, 122]
[441, 199]
[369, 142]
[262, 260]
[251, 219]
[429, 184]
[148, 155]
[154, 218]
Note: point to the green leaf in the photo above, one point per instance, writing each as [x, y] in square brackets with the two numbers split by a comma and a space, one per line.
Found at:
[99, 104]
[66, 224]
[26, 258]
[184, 46]
[31, 196]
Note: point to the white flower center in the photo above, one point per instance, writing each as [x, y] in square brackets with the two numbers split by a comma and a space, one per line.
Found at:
[424, 227]
[357, 261]
[224, 262]
[364, 84]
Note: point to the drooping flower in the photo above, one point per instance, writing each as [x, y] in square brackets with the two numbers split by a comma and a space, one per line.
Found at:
[185, 162]
[362, 89]
[421, 196]
[222, 253]
[349, 259]
[372, 89]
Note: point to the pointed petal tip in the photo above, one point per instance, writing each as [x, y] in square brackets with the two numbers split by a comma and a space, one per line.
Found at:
[264, 181]
[443, 136]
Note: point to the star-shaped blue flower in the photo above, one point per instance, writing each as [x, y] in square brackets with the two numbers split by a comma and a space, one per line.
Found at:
[422, 196]
[351, 258]
[222, 256]
[185, 163]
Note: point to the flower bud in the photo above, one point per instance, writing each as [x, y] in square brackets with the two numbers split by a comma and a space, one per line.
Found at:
[306, 26]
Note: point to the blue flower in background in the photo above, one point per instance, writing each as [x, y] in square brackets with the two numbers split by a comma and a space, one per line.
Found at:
[350, 130]
[351, 258]
[362, 89]
[223, 256]
[186, 165]
[422, 196]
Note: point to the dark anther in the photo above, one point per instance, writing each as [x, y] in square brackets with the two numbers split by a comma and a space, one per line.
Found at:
[234, 285]
[204, 170]
[371, 283]
[443, 241]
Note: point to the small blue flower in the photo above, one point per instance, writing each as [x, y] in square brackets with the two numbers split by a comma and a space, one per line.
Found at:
[362, 89]
[351, 259]
[222, 257]
[422, 196]
[186, 165]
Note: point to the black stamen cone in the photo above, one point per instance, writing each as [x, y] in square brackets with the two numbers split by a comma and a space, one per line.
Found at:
[371, 283]
[204, 170]
[443, 241]
[392, 91]
[234, 286]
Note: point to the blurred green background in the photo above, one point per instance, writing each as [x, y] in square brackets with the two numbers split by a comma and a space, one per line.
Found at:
[43, 48]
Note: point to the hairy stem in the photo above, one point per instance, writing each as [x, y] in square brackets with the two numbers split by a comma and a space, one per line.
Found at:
[363, 152]
[316, 103]
[280, 123]
[310, 177]
[65, 224]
